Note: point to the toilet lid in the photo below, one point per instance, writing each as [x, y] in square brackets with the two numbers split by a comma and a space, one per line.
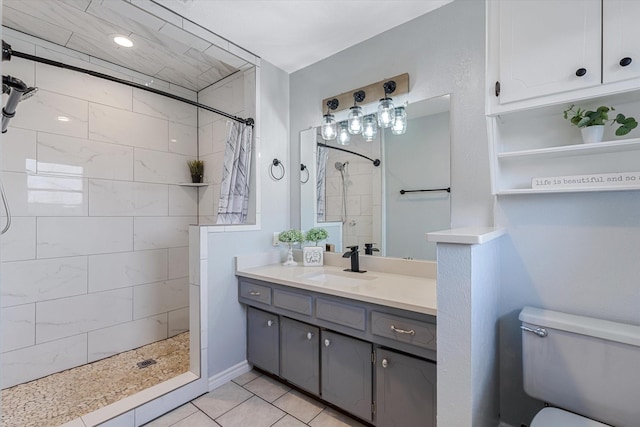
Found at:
[552, 417]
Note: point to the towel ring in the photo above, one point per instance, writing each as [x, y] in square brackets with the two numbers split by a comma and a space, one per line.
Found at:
[276, 164]
[303, 168]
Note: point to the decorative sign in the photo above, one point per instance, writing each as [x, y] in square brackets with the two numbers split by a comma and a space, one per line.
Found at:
[618, 179]
[312, 256]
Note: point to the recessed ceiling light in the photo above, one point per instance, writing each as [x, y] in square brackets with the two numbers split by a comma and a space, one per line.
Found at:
[63, 119]
[123, 41]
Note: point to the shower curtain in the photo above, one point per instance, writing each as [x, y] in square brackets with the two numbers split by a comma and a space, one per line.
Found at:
[234, 191]
[321, 168]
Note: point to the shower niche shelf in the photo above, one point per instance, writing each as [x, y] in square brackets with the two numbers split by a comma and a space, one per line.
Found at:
[193, 184]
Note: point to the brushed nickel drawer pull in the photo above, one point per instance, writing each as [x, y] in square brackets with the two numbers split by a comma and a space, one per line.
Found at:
[254, 293]
[402, 331]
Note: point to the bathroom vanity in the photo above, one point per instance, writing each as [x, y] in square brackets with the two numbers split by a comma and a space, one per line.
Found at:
[363, 342]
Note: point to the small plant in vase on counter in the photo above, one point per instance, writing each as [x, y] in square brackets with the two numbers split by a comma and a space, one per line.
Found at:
[591, 123]
[291, 237]
[312, 256]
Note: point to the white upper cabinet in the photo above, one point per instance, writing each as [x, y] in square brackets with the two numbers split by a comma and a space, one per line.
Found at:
[621, 52]
[548, 47]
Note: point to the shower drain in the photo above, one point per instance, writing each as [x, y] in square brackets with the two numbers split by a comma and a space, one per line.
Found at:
[146, 363]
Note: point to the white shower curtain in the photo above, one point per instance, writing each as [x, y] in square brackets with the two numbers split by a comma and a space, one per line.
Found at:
[234, 191]
[321, 171]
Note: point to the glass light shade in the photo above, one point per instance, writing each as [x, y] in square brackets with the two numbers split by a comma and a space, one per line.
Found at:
[344, 137]
[400, 121]
[355, 120]
[370, 128]
[328, 129]
[386, 113]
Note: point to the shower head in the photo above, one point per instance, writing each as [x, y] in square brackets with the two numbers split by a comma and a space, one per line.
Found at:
[341, 166]
[29, 93]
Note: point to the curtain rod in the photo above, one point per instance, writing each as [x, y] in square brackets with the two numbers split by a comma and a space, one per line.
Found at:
[375, 162]
[249, 121]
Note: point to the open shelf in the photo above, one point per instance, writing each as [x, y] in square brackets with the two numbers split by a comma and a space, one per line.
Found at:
[565, 190]
[576, 149]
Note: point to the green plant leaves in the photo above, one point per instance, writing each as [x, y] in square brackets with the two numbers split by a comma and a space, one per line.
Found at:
[584, 118]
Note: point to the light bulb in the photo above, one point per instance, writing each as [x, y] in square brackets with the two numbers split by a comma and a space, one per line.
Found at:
[400, 122]
[386, 113]
[343, 134]
[355, 120]
[328, 130]
[370, 128]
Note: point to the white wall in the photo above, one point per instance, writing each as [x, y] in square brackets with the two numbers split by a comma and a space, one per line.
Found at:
[96, 260]
[227, 326]
[443, 52]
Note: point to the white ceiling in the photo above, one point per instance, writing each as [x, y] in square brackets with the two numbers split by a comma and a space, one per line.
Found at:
[292, 34]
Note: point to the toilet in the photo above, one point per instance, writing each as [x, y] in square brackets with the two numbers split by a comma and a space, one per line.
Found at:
[586, 369]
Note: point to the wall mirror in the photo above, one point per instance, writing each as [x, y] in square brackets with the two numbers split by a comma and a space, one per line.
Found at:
[391, 205]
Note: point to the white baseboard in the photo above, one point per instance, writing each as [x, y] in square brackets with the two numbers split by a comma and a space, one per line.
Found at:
[227, 375]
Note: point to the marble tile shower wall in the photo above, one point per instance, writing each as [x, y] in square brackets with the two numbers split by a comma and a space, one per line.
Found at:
[362, 223]
[96, 260]
[230, 95]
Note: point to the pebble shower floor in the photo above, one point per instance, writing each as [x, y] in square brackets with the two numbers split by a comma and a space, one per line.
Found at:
[67, 395]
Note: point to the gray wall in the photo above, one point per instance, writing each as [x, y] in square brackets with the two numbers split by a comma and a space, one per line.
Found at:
[443, 52]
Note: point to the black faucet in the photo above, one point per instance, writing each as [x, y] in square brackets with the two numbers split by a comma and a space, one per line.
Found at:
[355, 260]
[369, 249]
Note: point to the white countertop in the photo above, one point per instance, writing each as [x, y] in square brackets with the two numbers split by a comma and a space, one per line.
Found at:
[466, 236]
[392, 290]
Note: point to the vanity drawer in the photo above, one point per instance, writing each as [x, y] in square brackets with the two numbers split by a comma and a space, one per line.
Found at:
[410, 331]
[292, 301]
[255, 292]
[351, 316]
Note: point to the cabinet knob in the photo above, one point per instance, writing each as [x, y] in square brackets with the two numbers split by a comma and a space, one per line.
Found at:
[309, 335]
[581, 72]
[385, 363]
[625, 61]
[269, 322]
[327, 343]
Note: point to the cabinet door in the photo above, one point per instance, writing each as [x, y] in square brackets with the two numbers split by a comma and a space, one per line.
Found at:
[405, 390]
[620, 36]
[347, 373]
[263, 348]
[300, 354]
[543, 44]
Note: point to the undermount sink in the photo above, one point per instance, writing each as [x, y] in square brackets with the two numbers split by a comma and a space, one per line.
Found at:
[343, 278]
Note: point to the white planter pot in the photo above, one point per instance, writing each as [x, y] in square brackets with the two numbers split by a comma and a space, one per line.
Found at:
[312, 256]
[592, 134]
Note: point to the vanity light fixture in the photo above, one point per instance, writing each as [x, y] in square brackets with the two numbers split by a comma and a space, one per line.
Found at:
[123, 41]
[370, 129]
[386, 109]
[344, 137]
[356, 115]
[399, 126]
[329, 129]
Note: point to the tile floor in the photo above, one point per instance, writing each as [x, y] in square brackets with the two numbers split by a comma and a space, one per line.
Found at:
[254, 400]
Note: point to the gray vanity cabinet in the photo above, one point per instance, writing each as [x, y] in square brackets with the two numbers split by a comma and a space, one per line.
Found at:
[405, 390]
[300, 354]
[263, 339]
[347, 373]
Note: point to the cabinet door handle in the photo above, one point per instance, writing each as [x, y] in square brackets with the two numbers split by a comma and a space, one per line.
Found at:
[327, 343]
[269, 322]
[403, 331]
[309, 335]
[625, 61]
[581, 72]
[385, 363]
[254, 293]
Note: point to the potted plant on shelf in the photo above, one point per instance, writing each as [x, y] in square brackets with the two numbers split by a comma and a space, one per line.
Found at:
[196, 168]
[591, 123]
[291, 237]
[313, 255]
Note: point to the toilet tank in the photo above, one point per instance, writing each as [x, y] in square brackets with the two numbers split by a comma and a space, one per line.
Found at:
[584, 365]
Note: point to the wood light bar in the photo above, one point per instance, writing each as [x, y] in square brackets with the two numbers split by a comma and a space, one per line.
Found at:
[374, 92]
